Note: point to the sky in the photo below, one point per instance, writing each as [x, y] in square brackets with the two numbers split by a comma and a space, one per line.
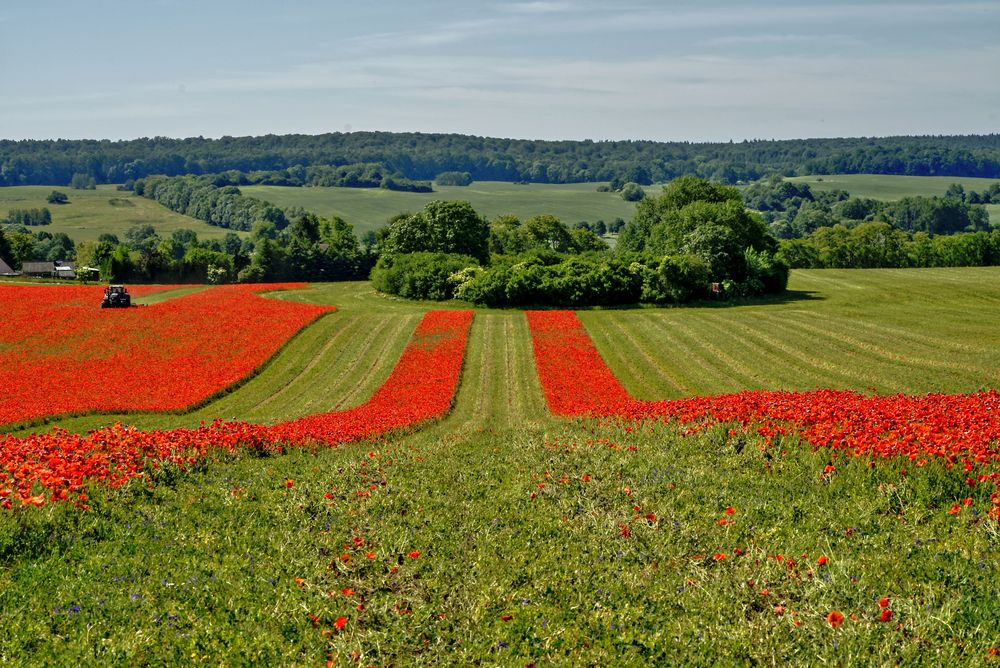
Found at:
[548, 69]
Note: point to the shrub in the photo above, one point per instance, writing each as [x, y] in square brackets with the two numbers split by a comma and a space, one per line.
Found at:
[685, 277]
[771, 271]
[420, 275]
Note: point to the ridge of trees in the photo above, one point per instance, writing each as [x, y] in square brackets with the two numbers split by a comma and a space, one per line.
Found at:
[422, 157]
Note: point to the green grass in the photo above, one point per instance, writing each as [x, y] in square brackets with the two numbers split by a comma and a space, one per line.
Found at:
[203, 567]
[889, 188]
[894, 330]
[370, 208]
[91, 213]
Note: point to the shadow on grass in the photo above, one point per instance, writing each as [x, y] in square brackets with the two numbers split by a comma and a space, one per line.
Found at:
[786, 297]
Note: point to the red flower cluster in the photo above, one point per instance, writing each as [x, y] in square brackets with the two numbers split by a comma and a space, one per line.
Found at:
[422, 386]
[60, 353]
[962, 430]
[574, 378]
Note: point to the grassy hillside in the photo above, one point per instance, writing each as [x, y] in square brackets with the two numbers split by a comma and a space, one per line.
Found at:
[495, 537]
[370, 208]
[91, 213]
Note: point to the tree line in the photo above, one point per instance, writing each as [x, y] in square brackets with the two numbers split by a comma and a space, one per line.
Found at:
[422, 157]
[792, 210]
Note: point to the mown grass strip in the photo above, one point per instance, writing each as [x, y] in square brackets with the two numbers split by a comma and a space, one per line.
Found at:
[499, 385]
[910, 331]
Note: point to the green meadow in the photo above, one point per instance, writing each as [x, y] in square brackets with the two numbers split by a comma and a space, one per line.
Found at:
[91, 213]
[890, 188]
[493, 537]
[370, 208]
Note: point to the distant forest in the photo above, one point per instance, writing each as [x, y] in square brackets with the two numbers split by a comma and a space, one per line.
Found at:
[423, 157]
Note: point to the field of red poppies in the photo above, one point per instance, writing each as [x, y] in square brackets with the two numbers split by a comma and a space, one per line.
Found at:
[57, 465]
[61, 354]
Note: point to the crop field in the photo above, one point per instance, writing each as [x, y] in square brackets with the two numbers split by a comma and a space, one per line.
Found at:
[558, 512]
[889, 188]
[370, 208]
[90, 213]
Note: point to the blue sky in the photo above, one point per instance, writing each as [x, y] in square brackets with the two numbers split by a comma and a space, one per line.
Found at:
[558, 69]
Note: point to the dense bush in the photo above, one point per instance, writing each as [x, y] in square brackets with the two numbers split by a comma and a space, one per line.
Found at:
[572, 281]
[420, 275]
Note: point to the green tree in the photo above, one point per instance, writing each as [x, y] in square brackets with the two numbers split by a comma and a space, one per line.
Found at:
[81, 181]
[56, 197]
[632, 192]
[549, 232]
[451, 227]
[142, 238]
[810, 217]
[678, 194]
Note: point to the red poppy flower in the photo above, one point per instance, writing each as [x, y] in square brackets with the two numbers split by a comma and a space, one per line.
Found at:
[835, 619]
[340, 623]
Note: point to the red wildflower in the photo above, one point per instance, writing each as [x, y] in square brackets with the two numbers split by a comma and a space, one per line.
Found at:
[729, 510]
[340, 623]
[886, 615]
[414, 554]
[822, 561]
[421, 386]
[835, 619]
[883, 602]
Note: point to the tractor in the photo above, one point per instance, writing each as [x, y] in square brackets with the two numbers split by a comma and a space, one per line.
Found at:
[116, 296]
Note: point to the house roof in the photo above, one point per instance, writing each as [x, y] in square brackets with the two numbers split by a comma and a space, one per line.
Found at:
[5, 269]
[38, 267]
